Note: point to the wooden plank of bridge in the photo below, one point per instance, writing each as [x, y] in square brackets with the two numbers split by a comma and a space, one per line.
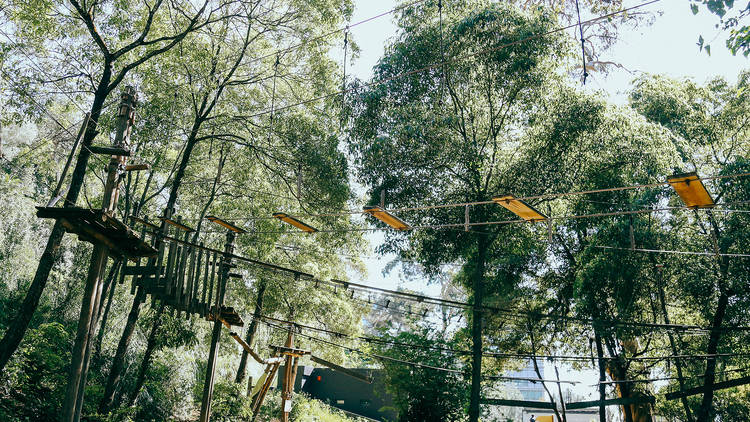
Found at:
[197, 279]
[211, 284]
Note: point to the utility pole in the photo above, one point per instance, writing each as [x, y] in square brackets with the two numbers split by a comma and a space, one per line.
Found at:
[91, 297]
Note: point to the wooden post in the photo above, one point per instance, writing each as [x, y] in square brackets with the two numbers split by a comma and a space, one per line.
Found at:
[89, 308]
[208, 385]
[270, 373]
[288, 384]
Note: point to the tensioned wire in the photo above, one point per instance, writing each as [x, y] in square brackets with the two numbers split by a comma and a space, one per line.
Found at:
[488, 202]
[409, 363]
[441, 63]
[494, 354]
[400, 345]
[415, 364]
[497, 222]
[452, 303]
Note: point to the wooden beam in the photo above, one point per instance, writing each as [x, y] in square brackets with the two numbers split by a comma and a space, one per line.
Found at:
[717, 386]
[338, 368]
[610, 402]
[518, 403]
[121, 152]
[177, 224]
[137, 167]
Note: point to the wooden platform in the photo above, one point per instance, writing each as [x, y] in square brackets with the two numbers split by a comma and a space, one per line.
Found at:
[95, 226]
[228, 315]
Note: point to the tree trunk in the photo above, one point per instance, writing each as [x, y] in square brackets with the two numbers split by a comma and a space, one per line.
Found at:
[19, 324]
[118, 362]
[602, 376]
[241, 370]
[476, 330]
[111, 285]
[562, 400]
[704, 412]
[150, 349]
[189, 145]
[673, 346]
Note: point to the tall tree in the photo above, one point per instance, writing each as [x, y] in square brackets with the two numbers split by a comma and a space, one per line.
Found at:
[102, 45]
[709, 125]
[447, 135]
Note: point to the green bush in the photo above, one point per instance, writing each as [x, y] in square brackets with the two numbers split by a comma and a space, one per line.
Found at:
[34, 387]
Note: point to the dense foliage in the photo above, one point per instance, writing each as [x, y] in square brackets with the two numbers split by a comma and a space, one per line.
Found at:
[471, 100]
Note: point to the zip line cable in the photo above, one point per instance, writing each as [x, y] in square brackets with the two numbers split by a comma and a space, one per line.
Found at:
[498, 355]
[523, 198]
[452, 303]
[333, 32]
[731, 255]
[435, 65]
[409, 363]
[650, 380]
[420, 365]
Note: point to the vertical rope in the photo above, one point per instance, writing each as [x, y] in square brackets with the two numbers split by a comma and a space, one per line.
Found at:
[583, 44]
[273, 96]
[343, 79]
[442, 51]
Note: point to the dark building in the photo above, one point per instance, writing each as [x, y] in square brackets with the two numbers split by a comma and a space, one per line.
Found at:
[344, 392]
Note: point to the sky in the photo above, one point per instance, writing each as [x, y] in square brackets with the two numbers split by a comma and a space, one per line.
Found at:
[668, 46]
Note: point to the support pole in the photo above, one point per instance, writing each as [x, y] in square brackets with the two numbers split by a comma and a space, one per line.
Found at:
[208, 386]
[288, 387]
[88, 317]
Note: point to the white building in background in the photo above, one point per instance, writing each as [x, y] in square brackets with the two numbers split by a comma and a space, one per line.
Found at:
[534, 391]
[529, 390]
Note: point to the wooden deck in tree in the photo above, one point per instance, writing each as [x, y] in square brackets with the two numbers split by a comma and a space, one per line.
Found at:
[95, 226]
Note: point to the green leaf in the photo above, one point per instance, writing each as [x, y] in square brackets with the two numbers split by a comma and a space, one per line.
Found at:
[694, 8]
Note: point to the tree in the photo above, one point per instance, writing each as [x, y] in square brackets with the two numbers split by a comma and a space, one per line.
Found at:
[739, 34]
[709, 126]
[423, 394]
[446, 135]
[110, 46]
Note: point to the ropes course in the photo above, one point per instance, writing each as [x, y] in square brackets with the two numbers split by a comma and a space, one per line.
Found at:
[187, 271]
